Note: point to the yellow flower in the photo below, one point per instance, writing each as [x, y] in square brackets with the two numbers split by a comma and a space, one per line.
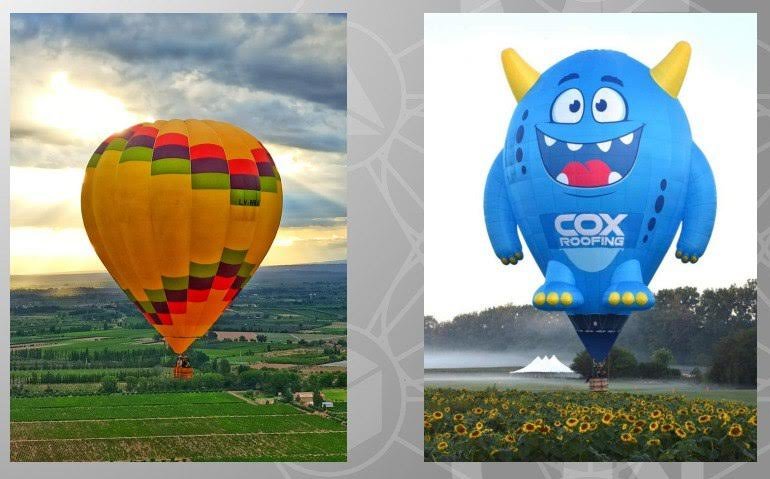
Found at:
[680, 433]
[753, 420]
[653, 442]
[584, 426]
[690, 427]
[735, 431]
[479, 426]
[557, 423]
[460, 429]
[477, 410]
[509, 438]
[475, 434]
[446, 409]
[656, 414]
[636, 430]
[607, 419]
[522, 411]
[626, 437]
[529, 427]
[571, 422]
[704, 419]
[654, 425]
[442, 446]
[438, 415]
[624, 426]
[667, 427]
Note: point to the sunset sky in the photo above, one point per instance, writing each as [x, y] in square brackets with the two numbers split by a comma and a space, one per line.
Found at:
[77, 78]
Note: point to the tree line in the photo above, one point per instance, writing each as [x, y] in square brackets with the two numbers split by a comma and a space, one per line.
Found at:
[710, 328]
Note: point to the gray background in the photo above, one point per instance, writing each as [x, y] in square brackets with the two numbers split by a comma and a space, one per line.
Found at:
[385, 240]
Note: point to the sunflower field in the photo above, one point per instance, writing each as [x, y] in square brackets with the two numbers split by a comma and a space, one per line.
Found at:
[512, 425]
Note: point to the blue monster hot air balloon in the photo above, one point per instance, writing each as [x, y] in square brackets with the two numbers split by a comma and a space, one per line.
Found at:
[598, 171]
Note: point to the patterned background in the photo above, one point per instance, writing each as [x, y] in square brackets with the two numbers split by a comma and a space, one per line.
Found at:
[385, 248]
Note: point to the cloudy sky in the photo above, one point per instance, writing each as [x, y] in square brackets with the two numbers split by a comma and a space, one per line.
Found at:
[77, 78]
[719, 96]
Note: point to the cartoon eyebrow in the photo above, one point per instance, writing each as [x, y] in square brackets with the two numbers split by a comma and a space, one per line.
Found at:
[571, 76]
[612, 79]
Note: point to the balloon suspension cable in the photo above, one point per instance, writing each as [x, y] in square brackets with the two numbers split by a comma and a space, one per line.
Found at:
[599, 376]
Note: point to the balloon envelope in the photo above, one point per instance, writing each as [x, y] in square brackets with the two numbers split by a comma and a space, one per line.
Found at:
[181, 213]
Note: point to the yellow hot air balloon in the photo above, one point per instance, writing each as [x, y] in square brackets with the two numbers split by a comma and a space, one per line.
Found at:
[181, 213]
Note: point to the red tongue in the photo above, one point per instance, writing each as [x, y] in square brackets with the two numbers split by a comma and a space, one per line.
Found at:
[590, 173]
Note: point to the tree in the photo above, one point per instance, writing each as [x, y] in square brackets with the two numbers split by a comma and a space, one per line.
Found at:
[735, 359]
[223, 367]
[663, 357]
[317, 398]
[109, 385]
[261, 338]
[622, 363]
[582, 364]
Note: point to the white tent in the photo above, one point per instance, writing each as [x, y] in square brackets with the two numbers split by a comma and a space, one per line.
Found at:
[545, 365]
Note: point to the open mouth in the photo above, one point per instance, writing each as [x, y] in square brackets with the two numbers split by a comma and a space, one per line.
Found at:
[589, 165]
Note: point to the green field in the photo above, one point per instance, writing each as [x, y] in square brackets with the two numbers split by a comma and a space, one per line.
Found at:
[175, 426]
[335, 394]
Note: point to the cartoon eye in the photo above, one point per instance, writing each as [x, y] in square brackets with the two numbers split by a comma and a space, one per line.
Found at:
[568, 107]
[608, 106]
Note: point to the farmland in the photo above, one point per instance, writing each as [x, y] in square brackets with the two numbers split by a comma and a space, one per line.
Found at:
[169, 427]
[513, 425]
[91, 380]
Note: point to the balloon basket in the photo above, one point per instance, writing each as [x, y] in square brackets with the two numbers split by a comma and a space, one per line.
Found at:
[598, 384]
[183, 369]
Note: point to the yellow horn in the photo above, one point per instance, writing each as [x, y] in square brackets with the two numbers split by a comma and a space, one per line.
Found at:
[670, 72]
[520, 75]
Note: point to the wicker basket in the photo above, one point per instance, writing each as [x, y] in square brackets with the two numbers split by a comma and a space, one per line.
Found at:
[598, 384]
[183, 373]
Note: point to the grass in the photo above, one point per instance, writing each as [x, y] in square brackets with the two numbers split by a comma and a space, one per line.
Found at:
[166, 427]
[335, 394]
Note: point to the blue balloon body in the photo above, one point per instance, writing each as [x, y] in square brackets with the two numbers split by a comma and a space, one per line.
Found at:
[598, 172]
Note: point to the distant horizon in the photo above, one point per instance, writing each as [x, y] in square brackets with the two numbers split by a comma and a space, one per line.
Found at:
[333, 261]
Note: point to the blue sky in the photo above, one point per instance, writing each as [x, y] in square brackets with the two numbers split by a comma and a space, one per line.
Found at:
[75, 78]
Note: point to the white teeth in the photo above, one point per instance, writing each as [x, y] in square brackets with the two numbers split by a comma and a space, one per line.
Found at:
[614, 176]
[562, 178]
[605, 146]
[548, 140]
[627, 139]
[574, 146]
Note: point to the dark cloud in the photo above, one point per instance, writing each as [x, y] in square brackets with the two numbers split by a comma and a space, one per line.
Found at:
[302, 56]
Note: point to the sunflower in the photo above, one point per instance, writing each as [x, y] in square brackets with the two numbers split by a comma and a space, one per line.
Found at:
[475, 434]
[558, 423]
[753, 420]
[656, 414]
[680, 433]
[626, 437]
[640, 423]
[479, 426]
[477, 410]
[442, 446]
[584, 426]
[667, 427]
[690, 427]
[545, 429]
[607, 419]
[528, 427]
[509, 438]
[571, 422]
[653, 442]
[704, 418]
[460, 430]
[654, 425]
[735, 431]
[437, 415]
